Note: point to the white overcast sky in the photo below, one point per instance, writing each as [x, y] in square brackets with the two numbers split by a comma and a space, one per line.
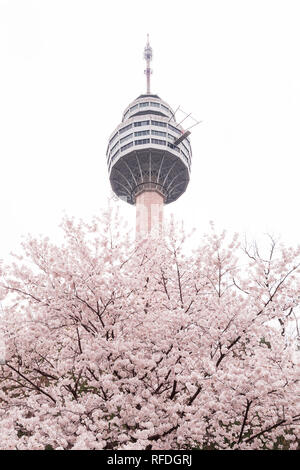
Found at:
[68, 68]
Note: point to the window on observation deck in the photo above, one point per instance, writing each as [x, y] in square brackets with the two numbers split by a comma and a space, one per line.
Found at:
[184, 155]
[165, 107]
[173, 147]
[139, 133]
[130, 144]
[142, 105]
[159, 123]
[174, 129]
[142, 141]
[158, 141]
[185, 147]
[113, 137]
[141, 123]
[114, 155]
[113, 148]
[124, 129]
[162, 134]
[156, 105]
[134, 107]
[125, 138]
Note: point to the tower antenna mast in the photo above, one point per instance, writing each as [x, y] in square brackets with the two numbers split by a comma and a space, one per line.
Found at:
[148, 58]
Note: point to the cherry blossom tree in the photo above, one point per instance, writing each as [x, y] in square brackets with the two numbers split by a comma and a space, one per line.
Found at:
[112, 344]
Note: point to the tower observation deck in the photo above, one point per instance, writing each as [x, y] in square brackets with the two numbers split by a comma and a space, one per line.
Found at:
[146, 165]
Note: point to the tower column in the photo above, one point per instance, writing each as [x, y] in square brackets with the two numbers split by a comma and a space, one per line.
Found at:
[149, 213]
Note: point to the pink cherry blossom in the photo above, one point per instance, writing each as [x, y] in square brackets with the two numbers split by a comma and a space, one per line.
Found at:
[112, 344]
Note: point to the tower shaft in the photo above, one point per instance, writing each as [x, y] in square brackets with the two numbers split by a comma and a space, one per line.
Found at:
[149, 213]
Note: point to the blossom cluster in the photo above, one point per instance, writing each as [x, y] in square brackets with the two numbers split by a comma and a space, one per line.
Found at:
[111, 344]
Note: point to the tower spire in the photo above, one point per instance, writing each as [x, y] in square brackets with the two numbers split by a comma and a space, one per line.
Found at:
[148, 58]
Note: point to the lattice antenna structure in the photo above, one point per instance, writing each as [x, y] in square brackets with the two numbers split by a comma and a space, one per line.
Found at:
[148, 57]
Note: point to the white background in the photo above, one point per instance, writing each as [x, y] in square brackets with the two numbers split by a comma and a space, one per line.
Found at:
[68, 68]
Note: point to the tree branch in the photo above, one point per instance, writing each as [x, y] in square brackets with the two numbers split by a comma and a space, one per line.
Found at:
[244, 420]
[33, 384]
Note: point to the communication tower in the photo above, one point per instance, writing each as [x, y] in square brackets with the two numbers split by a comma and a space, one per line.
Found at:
[149, 156]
